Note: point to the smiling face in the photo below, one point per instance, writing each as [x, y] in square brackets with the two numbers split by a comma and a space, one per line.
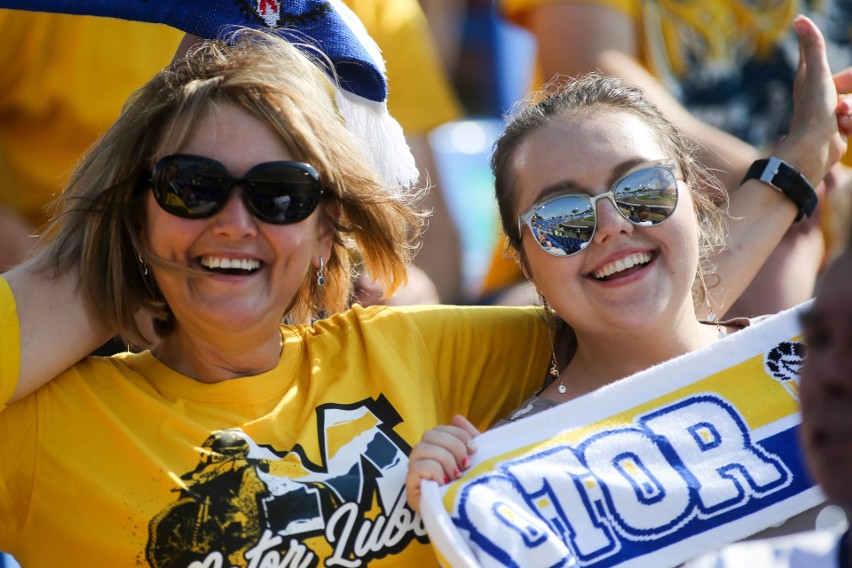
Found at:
[253, 269]
[628, 277]
[826, 383]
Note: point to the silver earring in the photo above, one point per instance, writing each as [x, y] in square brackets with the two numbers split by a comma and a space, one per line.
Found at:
[144, 265]
[711, 317]
[320, 275]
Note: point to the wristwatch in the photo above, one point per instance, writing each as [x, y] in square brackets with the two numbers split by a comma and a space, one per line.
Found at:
[786, 179]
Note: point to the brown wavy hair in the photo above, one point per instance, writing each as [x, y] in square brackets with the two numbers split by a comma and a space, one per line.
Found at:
[97, 221]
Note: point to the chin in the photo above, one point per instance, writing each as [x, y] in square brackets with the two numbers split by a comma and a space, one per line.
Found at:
[834, 480]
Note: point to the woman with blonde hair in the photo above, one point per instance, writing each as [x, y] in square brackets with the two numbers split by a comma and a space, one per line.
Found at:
[626, 289]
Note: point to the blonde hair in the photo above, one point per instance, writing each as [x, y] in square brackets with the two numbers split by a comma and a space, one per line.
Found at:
[98, 219]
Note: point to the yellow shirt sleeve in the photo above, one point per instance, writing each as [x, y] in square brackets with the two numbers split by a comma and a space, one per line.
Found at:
[10, 344]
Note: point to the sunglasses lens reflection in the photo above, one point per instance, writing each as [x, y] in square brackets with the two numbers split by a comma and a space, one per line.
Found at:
[647, 197]
[565, 226]
[196, 187]
[188, 189]
[281, 194]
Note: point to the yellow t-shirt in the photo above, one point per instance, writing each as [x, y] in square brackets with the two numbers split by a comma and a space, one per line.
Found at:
[122, 461]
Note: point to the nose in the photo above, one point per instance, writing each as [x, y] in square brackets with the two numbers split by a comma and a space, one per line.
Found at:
[609, 222]
[235, 220]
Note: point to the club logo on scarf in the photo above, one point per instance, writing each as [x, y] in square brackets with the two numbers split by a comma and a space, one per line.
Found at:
[250, 505]
[784, 363]
[651, 471]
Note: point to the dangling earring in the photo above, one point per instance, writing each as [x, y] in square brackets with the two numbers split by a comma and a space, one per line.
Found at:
[554, 367]
[320, 275]
[144, 265]
[711, 315]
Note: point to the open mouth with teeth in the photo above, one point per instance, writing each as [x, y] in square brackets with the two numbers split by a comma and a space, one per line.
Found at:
[230, 266]
[622, 267]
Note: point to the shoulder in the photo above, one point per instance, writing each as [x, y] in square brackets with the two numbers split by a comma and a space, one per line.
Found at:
[418, 316]
[432, 327]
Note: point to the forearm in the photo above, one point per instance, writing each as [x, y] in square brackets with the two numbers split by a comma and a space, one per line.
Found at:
[56, 328]
[757, 219]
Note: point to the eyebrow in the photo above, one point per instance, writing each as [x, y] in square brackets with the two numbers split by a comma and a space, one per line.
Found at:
[571, 186]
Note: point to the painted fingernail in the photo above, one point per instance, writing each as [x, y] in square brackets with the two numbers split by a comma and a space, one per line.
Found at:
[465, 463]
[446, 480]
[456, 473]
[471, 446]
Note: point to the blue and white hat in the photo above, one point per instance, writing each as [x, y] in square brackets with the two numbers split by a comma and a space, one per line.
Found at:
[327, 26]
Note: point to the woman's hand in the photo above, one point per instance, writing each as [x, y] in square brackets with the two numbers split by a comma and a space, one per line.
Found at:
[442, 454]
[821, 120]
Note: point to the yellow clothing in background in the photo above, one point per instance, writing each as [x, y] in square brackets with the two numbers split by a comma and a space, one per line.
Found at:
[63, 80]
[420, 95]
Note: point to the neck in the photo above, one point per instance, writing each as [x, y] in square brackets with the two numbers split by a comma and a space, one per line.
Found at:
[208, 359]
[604, 359]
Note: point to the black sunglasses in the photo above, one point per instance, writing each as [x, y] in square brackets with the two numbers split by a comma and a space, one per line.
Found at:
[565, 224]
[195, 187]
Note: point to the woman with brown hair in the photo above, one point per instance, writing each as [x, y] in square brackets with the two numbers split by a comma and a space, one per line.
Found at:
[223, 202]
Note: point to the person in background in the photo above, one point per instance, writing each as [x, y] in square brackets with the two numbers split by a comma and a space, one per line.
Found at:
[63, 83]
[446, 21]
[722, 71]
[826, 398]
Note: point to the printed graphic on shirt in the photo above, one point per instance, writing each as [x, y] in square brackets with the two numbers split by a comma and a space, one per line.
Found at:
[249, 505]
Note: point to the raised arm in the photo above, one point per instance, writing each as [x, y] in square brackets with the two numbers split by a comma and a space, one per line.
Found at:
[759, 215]
[56, 329]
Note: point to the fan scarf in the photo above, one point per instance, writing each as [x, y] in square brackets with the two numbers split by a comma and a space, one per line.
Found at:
[653, 470]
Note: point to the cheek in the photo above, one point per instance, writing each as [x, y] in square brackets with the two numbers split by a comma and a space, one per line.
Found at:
[555, 273]
[682, 234]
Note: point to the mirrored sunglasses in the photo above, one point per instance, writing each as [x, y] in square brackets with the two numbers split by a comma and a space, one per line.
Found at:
[565, 224]
[196, 187]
